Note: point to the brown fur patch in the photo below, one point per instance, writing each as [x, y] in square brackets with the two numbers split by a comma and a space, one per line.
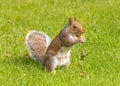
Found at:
[54, 46]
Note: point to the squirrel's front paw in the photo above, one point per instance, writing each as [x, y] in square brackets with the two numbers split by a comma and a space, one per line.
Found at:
[82, 38]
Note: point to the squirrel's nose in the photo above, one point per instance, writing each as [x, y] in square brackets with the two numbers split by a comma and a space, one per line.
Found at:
[82, 31]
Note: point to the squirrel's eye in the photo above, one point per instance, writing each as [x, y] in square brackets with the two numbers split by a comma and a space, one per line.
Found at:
[74, 26]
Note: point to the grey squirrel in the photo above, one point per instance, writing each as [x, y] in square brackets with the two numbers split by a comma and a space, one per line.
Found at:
[56, 52]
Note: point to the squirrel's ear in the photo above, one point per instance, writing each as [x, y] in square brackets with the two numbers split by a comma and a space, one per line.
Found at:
[70, 21]
[75, 19]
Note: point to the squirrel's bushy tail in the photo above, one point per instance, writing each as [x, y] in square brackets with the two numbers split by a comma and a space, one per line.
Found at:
[37, 43]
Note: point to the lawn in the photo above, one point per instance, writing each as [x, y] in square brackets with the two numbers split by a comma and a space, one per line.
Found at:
[101, 21]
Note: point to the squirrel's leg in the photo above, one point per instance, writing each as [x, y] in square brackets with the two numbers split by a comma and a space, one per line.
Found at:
[67, 63]
[50, 62]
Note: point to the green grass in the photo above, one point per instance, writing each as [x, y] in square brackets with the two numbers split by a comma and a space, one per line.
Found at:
[101, 21]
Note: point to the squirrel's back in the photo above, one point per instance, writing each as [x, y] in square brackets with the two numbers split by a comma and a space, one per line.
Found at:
[37, 43]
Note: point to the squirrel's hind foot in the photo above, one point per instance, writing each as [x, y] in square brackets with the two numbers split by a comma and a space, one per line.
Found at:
[28, 55]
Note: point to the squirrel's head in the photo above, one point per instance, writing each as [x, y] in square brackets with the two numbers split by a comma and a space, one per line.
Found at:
[75, 27]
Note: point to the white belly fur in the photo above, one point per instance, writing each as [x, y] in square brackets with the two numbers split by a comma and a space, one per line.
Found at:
[63, 56]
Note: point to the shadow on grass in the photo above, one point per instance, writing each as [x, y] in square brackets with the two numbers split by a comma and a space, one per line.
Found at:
[22, 61]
